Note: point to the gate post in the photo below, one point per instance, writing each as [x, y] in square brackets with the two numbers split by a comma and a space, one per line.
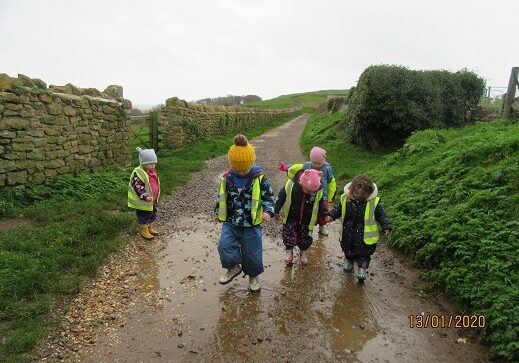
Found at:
[510, 94]
[154, 130]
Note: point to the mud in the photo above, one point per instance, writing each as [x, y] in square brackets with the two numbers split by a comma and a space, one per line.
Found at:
[11, 223]
[303, 313]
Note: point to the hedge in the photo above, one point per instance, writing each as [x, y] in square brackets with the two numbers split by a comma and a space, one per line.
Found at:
[390, 102]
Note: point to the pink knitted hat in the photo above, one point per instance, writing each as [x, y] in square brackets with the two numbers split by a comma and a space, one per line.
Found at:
[311, 179]
[318, 155]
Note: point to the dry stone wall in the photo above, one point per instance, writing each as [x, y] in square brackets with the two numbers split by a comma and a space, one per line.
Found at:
[59, 130]
[184, 122]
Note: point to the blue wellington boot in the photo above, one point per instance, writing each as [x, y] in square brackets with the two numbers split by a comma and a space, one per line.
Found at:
[347, 265]
[361, 274]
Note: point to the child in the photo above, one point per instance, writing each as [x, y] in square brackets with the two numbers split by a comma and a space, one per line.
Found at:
[317, 162]
[144, 192]
[361, 213]
[300, 202]
[245, 200]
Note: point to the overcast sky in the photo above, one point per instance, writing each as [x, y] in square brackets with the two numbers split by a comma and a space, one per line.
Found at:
[198, 49]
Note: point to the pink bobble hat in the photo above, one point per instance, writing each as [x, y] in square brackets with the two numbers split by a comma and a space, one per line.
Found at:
[310, 179]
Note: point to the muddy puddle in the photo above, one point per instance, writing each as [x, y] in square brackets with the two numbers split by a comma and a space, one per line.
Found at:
[300, 311]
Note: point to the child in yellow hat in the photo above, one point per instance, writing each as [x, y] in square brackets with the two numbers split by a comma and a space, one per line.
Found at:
[245, 200]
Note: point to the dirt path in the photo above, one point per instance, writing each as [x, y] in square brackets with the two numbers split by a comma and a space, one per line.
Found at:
[176, 311]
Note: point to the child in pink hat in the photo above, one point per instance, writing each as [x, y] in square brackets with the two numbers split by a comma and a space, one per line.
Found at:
[318, 162]
[300, 203]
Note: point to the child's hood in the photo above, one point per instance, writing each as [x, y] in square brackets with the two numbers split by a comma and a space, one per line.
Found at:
[372, 196]
[241, 181]
[255, 170]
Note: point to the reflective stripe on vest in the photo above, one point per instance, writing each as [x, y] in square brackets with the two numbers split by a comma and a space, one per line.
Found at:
[133, 198]
[256, 209]
[371, 228]
[289, 187]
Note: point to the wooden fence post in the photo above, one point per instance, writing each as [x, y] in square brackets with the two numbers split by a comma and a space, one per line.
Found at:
[154, 130]
[510, 93]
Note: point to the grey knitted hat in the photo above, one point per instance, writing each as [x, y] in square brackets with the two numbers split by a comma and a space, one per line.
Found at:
[147, 156]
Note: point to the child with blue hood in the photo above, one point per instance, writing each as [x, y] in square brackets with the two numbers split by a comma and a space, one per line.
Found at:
[245, 200]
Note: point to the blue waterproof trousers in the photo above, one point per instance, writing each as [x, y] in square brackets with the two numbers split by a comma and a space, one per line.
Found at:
[241, 245]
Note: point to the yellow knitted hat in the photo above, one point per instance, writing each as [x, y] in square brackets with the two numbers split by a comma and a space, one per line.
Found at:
[241, 155]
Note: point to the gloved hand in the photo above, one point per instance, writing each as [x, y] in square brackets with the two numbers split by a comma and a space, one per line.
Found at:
[282, 166]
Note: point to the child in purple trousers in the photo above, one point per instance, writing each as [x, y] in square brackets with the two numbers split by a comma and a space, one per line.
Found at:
[300, 202]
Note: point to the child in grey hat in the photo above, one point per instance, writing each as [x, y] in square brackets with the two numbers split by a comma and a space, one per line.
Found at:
[144, 192]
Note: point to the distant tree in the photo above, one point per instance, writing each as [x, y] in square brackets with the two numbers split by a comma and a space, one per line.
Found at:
[158, 107]
[136, 112]
[251, 98]
[229, 100]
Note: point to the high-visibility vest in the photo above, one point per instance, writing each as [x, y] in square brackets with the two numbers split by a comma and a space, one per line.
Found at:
[133, 198]
[256, 209]
[289, 186]
[371, 227]
[332, 184]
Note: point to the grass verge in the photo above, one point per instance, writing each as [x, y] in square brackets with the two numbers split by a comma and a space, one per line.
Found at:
[78, 224]
[453, 196]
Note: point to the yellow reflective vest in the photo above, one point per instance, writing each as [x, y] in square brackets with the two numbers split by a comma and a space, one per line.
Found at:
[133, 198]
[371, 227]
[332, 185]
[289, 187]
[256, 207]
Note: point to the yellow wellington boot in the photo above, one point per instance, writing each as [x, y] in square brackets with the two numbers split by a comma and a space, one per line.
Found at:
[145, 233]
[152, 230]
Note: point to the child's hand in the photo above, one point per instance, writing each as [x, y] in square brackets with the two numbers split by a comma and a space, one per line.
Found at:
[277, 217]
[149, 199]
[328, 219]
[387, 232]
[265, 217]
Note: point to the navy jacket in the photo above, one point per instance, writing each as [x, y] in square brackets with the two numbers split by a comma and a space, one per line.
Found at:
[353, 224]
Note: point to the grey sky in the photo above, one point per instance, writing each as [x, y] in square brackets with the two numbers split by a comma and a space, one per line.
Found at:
[197, 49]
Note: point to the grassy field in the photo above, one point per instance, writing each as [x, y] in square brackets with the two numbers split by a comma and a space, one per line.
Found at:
[76, 223]
[309, 100]
[453, 196]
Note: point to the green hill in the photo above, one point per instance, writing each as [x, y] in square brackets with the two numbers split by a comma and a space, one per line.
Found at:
[307, 99]
[453, 196]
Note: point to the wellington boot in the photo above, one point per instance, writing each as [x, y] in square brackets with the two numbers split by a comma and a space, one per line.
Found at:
[361, 274]
[303, 257]
[152, 230]
[230, 274]
[145, 233]
[254, 284]
[289, 257]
